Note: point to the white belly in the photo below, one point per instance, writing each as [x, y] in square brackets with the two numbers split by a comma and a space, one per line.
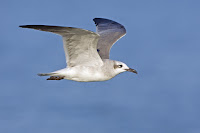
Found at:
[84, 74]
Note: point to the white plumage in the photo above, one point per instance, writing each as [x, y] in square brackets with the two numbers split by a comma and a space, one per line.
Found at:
[87, 52]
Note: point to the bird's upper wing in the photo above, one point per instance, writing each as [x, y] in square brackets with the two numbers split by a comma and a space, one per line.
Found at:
[109, 31]
[80, 45]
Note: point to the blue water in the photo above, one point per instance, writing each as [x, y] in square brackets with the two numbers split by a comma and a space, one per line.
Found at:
[162, 44]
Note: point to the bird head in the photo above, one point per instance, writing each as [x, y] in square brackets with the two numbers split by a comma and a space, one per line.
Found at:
[120, 67]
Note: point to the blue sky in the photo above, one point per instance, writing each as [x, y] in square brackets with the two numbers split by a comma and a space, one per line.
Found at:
[162, 44]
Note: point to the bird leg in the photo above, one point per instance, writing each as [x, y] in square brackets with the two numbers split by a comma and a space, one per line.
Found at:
[55, 78]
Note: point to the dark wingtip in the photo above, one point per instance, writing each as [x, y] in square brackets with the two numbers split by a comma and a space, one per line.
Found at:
[22, 26]
[30, 26]
[96, 21]
[106, 21]
[27, 26]
[102, 20]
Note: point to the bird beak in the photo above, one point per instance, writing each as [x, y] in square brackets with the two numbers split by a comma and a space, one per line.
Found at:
[131, 70]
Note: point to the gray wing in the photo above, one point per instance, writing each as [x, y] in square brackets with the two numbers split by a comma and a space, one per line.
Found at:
[80, 45]
[109, 31]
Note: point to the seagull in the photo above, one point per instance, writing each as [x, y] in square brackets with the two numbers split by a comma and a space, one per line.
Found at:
[87, 53]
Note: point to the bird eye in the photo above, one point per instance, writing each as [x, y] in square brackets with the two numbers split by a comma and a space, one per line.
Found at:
[120, 66]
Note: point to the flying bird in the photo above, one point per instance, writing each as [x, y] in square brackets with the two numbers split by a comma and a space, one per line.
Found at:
[87, 52]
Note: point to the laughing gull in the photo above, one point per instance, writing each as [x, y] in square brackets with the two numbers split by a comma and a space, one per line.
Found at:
[87, 52]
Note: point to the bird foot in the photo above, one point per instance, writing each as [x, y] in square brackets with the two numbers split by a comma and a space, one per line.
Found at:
[55, 78]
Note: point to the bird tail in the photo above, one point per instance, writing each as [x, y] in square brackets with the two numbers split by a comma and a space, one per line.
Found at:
[46, 74]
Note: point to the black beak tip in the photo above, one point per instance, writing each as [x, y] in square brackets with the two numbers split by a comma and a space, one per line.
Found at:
[132, 70]
[136, 72]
